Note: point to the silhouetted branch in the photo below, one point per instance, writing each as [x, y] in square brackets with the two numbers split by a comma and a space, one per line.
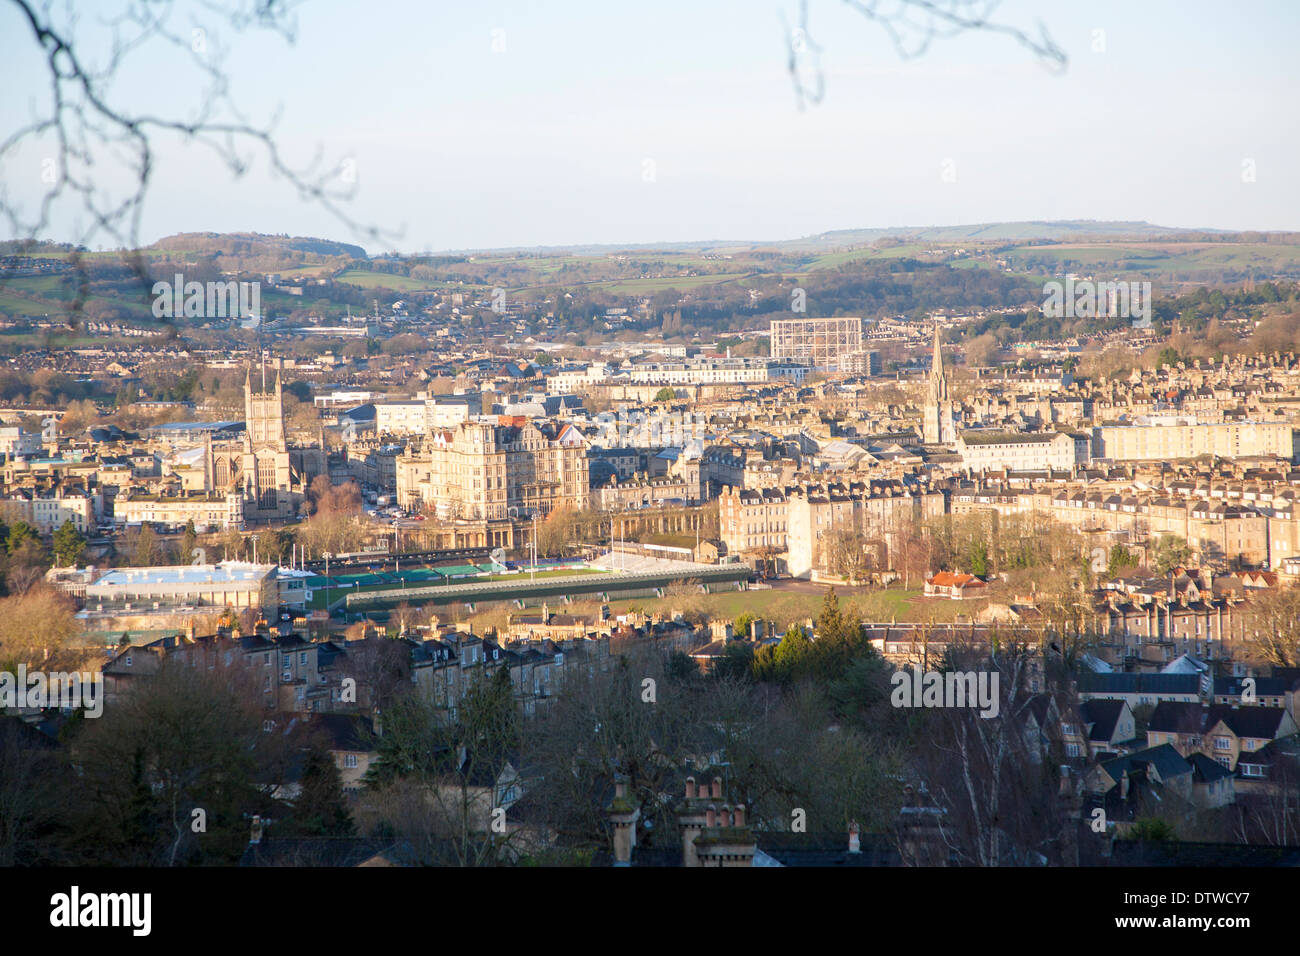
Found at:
[912, 26]
[92, 136]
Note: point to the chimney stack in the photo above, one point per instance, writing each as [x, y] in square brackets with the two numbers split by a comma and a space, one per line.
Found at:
[623, 816]
[717, 788]
[711, 817]
[690, 788]
[855, 844]
[739, 815]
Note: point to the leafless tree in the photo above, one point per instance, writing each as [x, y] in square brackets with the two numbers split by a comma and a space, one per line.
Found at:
[994, 778]
[1273, 626]
[91, 137]
[912, 25]
[1271, 815]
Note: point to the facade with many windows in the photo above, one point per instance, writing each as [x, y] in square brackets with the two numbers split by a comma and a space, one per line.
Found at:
[819, 342]
[507, 468]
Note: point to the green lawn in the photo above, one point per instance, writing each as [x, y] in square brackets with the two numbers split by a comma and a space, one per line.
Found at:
[525, 576]
[640, 286]
[1169, 258]
[382, 280]
[785, 607]
[833, 259]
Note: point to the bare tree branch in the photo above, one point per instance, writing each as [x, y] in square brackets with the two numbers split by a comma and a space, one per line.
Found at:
[912, 25]
[92, 137]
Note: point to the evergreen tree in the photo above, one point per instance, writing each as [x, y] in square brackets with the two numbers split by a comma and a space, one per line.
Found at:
[321, 809]
[737, 661]
[69, 543]
[792, 655]
[189, 540]
[19, 532]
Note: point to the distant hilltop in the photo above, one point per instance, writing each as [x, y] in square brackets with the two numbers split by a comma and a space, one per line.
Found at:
[1072, 230]
[1005, 232]
[253, 244]
[290, 249]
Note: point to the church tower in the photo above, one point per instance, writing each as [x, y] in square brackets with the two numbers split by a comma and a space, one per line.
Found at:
[264, 414]
[265, 466]
[937, 425]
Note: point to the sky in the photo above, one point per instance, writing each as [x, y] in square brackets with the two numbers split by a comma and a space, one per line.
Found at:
[518, 124]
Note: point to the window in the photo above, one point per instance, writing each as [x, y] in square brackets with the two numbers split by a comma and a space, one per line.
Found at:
[1222, 743]
[350, 760]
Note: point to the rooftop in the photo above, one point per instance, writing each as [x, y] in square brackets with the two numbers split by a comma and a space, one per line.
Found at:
[226, 572]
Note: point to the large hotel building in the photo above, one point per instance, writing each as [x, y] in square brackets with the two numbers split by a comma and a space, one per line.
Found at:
[504, 468]
[819, 342]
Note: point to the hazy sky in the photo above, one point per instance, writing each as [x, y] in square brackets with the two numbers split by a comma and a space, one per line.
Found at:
[548, 142]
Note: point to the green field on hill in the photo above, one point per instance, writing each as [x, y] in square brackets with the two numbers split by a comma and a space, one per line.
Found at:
[1168, 259]
[382, 280]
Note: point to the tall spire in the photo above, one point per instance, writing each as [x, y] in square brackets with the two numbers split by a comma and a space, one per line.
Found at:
[938, 381]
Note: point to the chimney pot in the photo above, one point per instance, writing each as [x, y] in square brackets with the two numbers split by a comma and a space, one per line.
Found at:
[711, 816]
[717, 788]
[690, 788]
[740, 815]
[855, 844]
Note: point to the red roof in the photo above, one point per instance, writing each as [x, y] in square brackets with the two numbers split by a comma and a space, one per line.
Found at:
[949, 579]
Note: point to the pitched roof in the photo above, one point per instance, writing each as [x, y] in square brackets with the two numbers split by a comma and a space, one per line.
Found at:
[1154, 684]
[1103, 716]
[1168, 763]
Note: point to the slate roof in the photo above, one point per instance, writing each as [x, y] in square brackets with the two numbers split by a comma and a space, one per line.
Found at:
[1181, 854]
[346, 731]
[1173, 717]
[1181, 718]
[1167, 762]
[1154, 684]
[1103, 715]
[1206, 769]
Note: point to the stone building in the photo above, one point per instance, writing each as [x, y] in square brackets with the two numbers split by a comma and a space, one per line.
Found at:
[510, 467]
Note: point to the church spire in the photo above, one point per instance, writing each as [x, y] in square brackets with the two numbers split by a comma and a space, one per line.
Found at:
[936, 365]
